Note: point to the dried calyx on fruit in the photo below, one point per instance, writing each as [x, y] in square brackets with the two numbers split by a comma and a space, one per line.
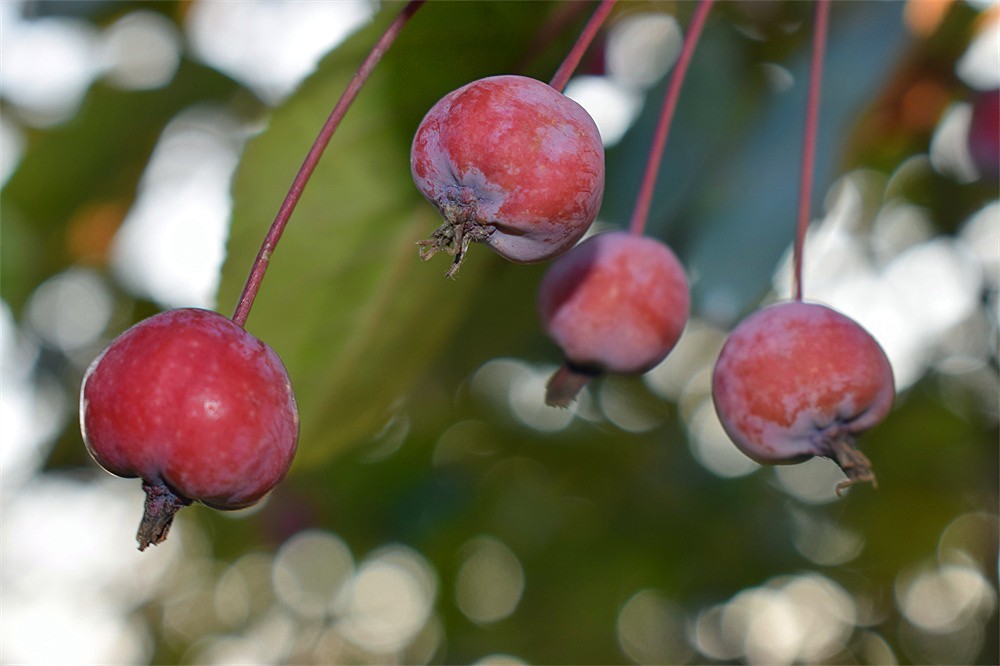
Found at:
[797, 380]
[512, 163]
[196, 407]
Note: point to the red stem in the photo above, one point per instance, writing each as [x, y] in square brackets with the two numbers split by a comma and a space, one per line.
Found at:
[575, 54]
[645, 197]
[809, 144]
[312, 159]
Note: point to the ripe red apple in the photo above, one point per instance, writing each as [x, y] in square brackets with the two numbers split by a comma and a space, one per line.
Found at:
[797, 380]
[512, 163]
[195, 406]
[615, 303]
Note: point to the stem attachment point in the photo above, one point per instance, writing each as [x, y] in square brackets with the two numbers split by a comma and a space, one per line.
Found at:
[157, 517]
[855, 464]
[454, 236]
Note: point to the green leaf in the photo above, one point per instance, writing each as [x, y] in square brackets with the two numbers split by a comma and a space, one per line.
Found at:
[98, 158]
[353, 312]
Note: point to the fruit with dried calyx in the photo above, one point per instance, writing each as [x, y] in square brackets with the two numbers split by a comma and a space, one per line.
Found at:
[797, 380]
[195, 406]
[512, 163]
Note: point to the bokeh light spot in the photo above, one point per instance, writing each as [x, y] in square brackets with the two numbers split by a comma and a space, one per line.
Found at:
[271, 46]
[389, 600]
[490, 581]
[712, 447]
[624, 406]
[612, 106]
[812, 482]
[310, 570]
[651, 630]
[642, 47]
[945, 599]
[800, 618]
[824, 542]
[70, 310]
[979, 66]
[171, 246]
[46, 65]
[527, 401]
[141, 51]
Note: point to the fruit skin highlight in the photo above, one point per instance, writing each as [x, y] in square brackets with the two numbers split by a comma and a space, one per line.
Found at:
[796, 380]
[194, 405]
[616, 303]
[510, 162]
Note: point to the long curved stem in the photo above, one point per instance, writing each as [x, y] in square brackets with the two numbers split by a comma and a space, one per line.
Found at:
[809, 143]
[641, 212]
[572, 60]
[312, 159]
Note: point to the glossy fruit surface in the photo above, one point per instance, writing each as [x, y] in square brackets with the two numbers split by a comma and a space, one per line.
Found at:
[196, 406]
[510, 162]
[616, 303]
[797, 380]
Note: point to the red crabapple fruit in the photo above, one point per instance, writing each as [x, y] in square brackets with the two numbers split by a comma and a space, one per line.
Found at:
[797, 380]
[510, 162]
[616, 303]
[984, 133]
[196, 407]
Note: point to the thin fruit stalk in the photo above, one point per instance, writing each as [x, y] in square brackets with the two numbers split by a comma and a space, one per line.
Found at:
[572, 59]
[809, 141]
[192, 403]
[312, 159]
[797, 380]
[641, 211]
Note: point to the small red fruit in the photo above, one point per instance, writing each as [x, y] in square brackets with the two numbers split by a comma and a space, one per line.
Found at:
[510, 162]
[616, 303]
[194, 405]
[984, 133]
[797, 380]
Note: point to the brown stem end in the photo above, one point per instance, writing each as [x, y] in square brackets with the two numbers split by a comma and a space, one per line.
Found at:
[454, 237]
[157, 517]
[855, 464]
[565, 385]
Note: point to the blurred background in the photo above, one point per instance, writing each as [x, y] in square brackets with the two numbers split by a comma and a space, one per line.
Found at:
[437, 511]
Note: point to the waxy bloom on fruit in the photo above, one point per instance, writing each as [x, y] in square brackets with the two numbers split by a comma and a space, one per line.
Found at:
[616, 303]
[797, 380]
[510, 162]
[196, 407]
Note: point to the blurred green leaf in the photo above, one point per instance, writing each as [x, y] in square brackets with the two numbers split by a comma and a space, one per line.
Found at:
[96, 157]
[347, 304]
